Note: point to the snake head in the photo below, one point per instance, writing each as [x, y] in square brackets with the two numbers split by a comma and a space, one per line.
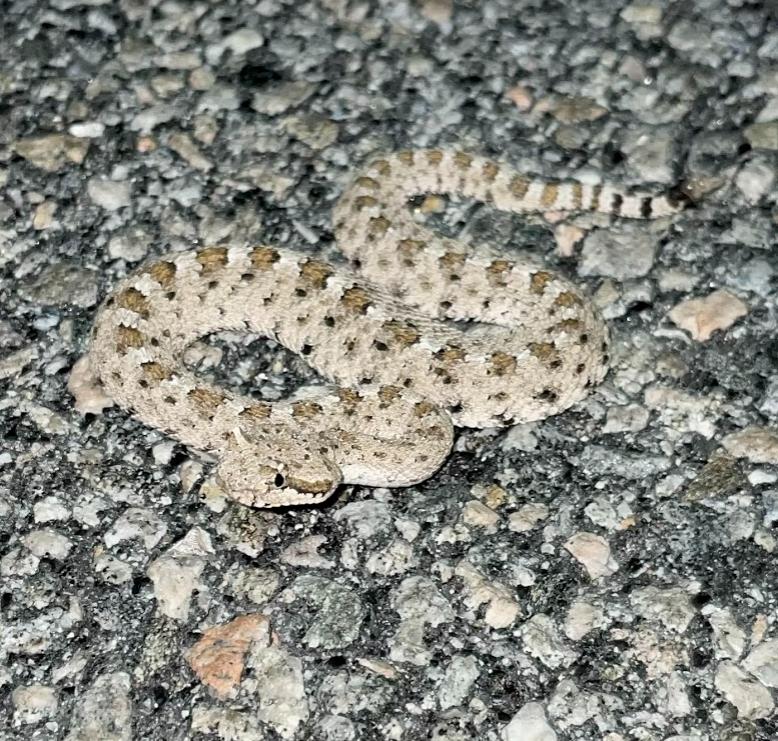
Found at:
[260, 470]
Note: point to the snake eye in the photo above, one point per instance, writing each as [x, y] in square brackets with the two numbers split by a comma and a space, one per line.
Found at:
[278, 480]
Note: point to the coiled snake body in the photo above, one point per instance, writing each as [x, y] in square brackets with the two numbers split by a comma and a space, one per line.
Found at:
[422, 333]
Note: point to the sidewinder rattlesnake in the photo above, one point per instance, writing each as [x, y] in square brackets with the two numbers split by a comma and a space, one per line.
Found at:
[422, 333]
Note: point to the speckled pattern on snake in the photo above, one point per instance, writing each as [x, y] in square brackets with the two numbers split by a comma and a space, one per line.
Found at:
[419, 334]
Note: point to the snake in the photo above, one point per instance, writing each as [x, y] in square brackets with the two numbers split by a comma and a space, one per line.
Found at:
[415, 333]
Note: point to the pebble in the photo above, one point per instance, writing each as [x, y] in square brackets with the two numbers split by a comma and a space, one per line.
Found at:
[671, 607]
[752, 699]
[176, 572]
[279, 686]
[651, 155]
[577, 109]
[281, 98]
[104, 711]
[89, 396]
[627, 418]
[340, 611]
[763, 135]
[628, 253]
[757, 444]
[527, 517]
[185, 148]
[218, 658]
[109, 194]
[365, 519]
[582, 618]
[136, 523]
[701, 317]
[49, 509]
[593, 552]
[87, 129]
[14, 363]
[419, 604]
[477, 514]
[34, 703]
[315, 131]
[502, 609]
[48, 543]
[529, 724]
[304, 553]
[762, 662]
[567, 236]
[755, 179]
[255, 584]
[53, 152]
[543, 640]
[458, 680]
[63, 284]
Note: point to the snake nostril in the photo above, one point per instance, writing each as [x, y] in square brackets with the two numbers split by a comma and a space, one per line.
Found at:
[279, 480]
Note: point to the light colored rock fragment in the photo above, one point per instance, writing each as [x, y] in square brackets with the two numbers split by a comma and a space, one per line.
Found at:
[529, 724]
[136, 523]
[218, 657]
[762, 662]
[86, 389]
[757, 444]
[581, 618]
[47, 543]
[527, 517]
[104, 711]
[109, 194]
[34, 703]
[458, 680]
[52, 152]
[701, 317]
[419, 603]
[671, 607]
[304, 553]
[477, 514]
[176, 572]
[730, 638]
[49, 509]
[280, 688]
[751, 698]
[593, 552]
[543, 641]
[502, 608]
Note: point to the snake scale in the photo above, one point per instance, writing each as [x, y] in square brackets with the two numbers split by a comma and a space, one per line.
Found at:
[420, 333]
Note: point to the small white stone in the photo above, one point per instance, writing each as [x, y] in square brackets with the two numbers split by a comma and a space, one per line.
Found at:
[163, 452]
[542, 640]
[751, 698]
[477, 514]
[755, 179]
[762, 662]
[109, 194]
[458, 679]
[671, 607]
[87, 129]
[527, 517]
[730, 638]
[757, 444]
[594, 552]
[529, 724]
[243, 40]
[581, 618]
[701, 317]
[50, 508]
[34, 703]
[628, 418]
[48, 544]
[176, 572]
